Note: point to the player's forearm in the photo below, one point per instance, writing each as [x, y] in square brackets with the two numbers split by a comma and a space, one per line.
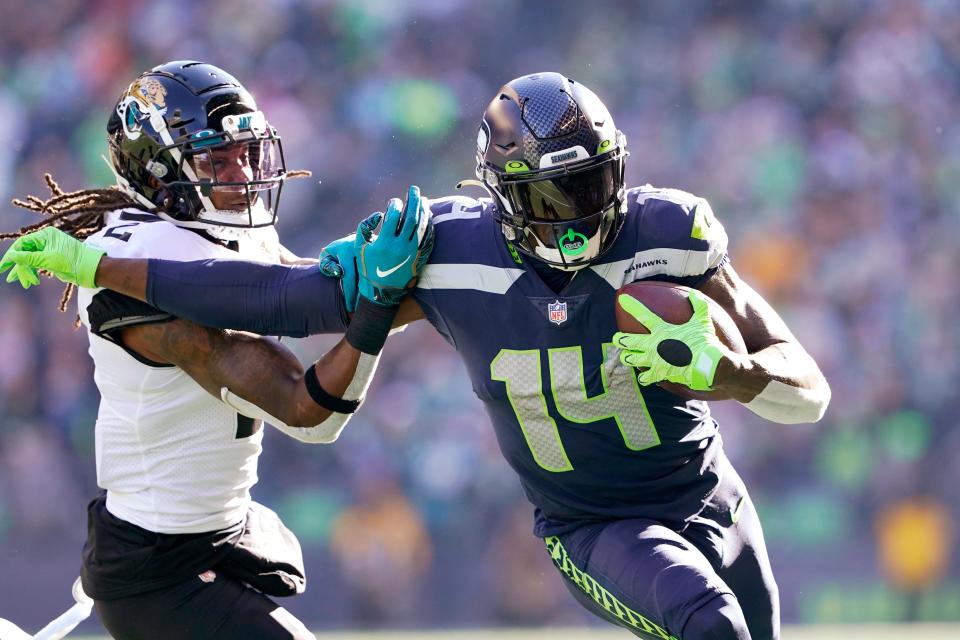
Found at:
[262, 372]
[330, 375]
[249, 296]
[781, 383]
[123, 275]
[320, 401]
[262, 379]
[334, 372]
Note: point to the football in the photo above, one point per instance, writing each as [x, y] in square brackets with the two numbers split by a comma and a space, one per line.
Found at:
[669, 301]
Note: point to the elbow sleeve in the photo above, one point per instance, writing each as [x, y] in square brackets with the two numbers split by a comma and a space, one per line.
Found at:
[323, 433]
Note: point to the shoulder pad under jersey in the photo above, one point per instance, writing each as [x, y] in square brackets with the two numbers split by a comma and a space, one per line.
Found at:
[130, 233]
[668, 233]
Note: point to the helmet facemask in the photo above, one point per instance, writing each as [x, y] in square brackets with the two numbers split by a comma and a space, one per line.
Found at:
[232, 179]
[229, 179]
[566, 216]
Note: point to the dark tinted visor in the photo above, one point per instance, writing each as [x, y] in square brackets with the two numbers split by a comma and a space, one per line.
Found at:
[565, 196]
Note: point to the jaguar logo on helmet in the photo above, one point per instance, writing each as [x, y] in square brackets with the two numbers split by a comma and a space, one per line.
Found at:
[142, 95]
[149, 91]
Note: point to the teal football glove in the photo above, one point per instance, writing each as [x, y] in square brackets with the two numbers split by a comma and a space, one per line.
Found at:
[687, 354]
[55, 251]
[392, 247]
[387, 253]
[337, 261]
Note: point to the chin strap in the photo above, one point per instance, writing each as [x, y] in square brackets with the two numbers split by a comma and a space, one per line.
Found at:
[470, 182]
[127, 189]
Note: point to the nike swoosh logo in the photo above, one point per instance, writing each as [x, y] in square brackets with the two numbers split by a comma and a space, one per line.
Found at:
[384, 274]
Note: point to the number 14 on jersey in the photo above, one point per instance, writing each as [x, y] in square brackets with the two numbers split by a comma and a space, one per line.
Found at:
[620, 400]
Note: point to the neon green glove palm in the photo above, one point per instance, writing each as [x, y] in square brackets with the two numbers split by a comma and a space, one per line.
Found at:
[55, 251]
[687, 354]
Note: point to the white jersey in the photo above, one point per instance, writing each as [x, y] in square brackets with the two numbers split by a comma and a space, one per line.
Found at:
[172, 458]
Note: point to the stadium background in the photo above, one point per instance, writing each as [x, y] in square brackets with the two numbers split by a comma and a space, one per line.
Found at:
[824, 132]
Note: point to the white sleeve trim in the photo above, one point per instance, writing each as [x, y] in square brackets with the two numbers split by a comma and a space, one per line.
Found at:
[786, 404]
[479, 277]
[655, 262]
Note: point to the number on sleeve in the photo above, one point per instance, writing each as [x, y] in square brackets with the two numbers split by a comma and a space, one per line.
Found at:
[124, 236]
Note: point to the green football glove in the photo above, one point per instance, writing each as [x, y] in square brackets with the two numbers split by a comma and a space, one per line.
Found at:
[687, 354]
[55, 251]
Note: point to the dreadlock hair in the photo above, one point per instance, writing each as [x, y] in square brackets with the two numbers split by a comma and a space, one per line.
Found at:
[79, 213]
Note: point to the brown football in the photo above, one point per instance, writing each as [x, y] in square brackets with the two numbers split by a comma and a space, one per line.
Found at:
[669, 301]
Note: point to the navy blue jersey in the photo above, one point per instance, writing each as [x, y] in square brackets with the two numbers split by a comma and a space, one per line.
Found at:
[587, 441]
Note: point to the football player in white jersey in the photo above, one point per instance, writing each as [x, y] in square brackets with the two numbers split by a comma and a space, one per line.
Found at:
[176, 548]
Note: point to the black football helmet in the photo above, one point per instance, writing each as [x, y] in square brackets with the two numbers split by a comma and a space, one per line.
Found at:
[187, 141]
[553, 160]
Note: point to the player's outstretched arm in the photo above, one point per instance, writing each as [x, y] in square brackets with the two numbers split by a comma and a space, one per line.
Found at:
[286, 300]
[778, 380]
[283, 300]
[290, 301]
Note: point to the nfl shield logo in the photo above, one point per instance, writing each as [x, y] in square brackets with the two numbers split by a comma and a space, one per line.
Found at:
[557, 312]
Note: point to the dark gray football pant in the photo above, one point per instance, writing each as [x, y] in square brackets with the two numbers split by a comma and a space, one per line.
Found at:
[710, 581]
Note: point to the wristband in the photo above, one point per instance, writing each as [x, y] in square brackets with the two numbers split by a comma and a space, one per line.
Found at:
[324, 399]
[370, 325]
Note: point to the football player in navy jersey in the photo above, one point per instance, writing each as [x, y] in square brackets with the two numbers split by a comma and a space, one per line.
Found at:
[642, 513]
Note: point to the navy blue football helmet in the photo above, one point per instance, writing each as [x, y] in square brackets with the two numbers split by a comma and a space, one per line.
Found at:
[553, 160]
[187, 141]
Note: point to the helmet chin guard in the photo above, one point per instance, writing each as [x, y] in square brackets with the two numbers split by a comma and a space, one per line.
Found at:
[570, 252]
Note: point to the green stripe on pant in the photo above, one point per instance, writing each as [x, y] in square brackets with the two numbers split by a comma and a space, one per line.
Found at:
[600, 595]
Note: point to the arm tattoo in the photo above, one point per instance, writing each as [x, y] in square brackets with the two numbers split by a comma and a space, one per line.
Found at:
[259, 369]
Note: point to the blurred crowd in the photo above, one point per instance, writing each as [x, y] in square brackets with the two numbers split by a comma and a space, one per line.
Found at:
[826, 135]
